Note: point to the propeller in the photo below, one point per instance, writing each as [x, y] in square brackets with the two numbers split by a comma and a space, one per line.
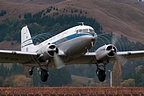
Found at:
[58, 61]
[121, 59]
[114, 40]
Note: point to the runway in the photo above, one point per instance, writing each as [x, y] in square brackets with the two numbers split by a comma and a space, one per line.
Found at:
[73, 91]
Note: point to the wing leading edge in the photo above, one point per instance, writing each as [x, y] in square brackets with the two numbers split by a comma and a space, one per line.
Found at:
[90, 57]
[131, 54]
[7, 56]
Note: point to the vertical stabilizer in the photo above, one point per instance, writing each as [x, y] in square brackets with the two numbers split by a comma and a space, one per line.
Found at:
[26, 40]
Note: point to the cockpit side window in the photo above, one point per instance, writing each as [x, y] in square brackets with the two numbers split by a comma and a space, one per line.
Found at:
[85, 30]
[91, 30]
[80, 30]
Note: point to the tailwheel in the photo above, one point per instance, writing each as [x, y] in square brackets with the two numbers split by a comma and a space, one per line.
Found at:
[43, 73]
[101, 75]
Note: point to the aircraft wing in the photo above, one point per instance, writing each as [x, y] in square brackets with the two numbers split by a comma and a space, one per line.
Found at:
[90, 58]
[7, 56]
[131, 54]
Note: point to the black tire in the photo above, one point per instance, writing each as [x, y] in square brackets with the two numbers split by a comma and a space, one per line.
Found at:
[101, 75]
[30, 72]
[44, 75]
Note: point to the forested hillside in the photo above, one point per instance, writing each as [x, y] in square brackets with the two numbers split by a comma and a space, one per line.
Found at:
[42, 27]
[122, 17]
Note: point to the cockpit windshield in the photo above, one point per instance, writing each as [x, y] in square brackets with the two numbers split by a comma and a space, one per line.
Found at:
[90, 31]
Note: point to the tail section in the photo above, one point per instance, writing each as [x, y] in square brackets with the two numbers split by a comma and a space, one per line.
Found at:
[26, 40]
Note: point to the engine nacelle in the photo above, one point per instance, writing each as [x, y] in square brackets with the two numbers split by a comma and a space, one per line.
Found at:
[47, 52]
[104, 53]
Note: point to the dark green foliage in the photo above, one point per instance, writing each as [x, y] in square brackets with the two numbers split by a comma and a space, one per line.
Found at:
[75, 10]
[41, 24]
[27, 16]
[56, 9]
[4, 71]
[71, 10]
[10, 29]
[137, 76]
[57, 77]
[80, 11]
[82, 70]
[48, 10]
[16, 69]
[2, 12]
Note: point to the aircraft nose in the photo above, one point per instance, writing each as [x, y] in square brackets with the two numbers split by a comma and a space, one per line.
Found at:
[91, 38]
[94, 38]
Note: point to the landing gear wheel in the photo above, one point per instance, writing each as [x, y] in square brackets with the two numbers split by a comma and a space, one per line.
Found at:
[44, 75]
[101, 75]
[30, 72]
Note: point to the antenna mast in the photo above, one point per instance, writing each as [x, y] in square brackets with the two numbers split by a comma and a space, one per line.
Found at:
[82, 23]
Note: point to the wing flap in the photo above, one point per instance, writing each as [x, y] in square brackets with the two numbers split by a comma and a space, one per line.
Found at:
[90, 58]
[7, 56]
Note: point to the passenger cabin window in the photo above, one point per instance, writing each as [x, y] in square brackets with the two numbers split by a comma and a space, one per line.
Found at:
[85, 30]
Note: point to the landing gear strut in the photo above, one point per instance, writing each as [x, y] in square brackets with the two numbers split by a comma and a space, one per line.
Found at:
[101, 72]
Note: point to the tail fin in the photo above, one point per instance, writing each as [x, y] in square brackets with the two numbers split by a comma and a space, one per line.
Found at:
[26, 40]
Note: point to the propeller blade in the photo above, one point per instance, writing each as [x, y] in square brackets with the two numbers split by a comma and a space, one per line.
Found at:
[114, 40]
[58, 61]
[121, 59]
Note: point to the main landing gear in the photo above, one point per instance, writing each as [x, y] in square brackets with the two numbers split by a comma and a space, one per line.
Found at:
[101, 72]
[43, 73]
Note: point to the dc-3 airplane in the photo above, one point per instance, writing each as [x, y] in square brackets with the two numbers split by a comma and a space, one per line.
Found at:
[68, 47]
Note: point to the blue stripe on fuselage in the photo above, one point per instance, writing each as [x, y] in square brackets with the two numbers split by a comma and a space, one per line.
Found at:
[26, 45]
[70, 37]
[26, 40]
[73, 36]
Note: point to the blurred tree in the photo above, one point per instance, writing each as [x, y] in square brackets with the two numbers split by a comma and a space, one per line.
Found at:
[8, 82]
[116, 74]
[1, 80]
[57, 77]
[128, 83]
[21, 81]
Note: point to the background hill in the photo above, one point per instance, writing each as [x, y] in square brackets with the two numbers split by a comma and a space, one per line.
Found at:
[122, 17]
[36, 1]
[134, 3]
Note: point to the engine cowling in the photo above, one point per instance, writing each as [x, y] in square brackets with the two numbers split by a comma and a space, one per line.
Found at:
[48, 51]
[105, 52]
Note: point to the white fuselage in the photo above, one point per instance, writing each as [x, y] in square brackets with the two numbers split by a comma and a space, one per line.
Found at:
[73, 42]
